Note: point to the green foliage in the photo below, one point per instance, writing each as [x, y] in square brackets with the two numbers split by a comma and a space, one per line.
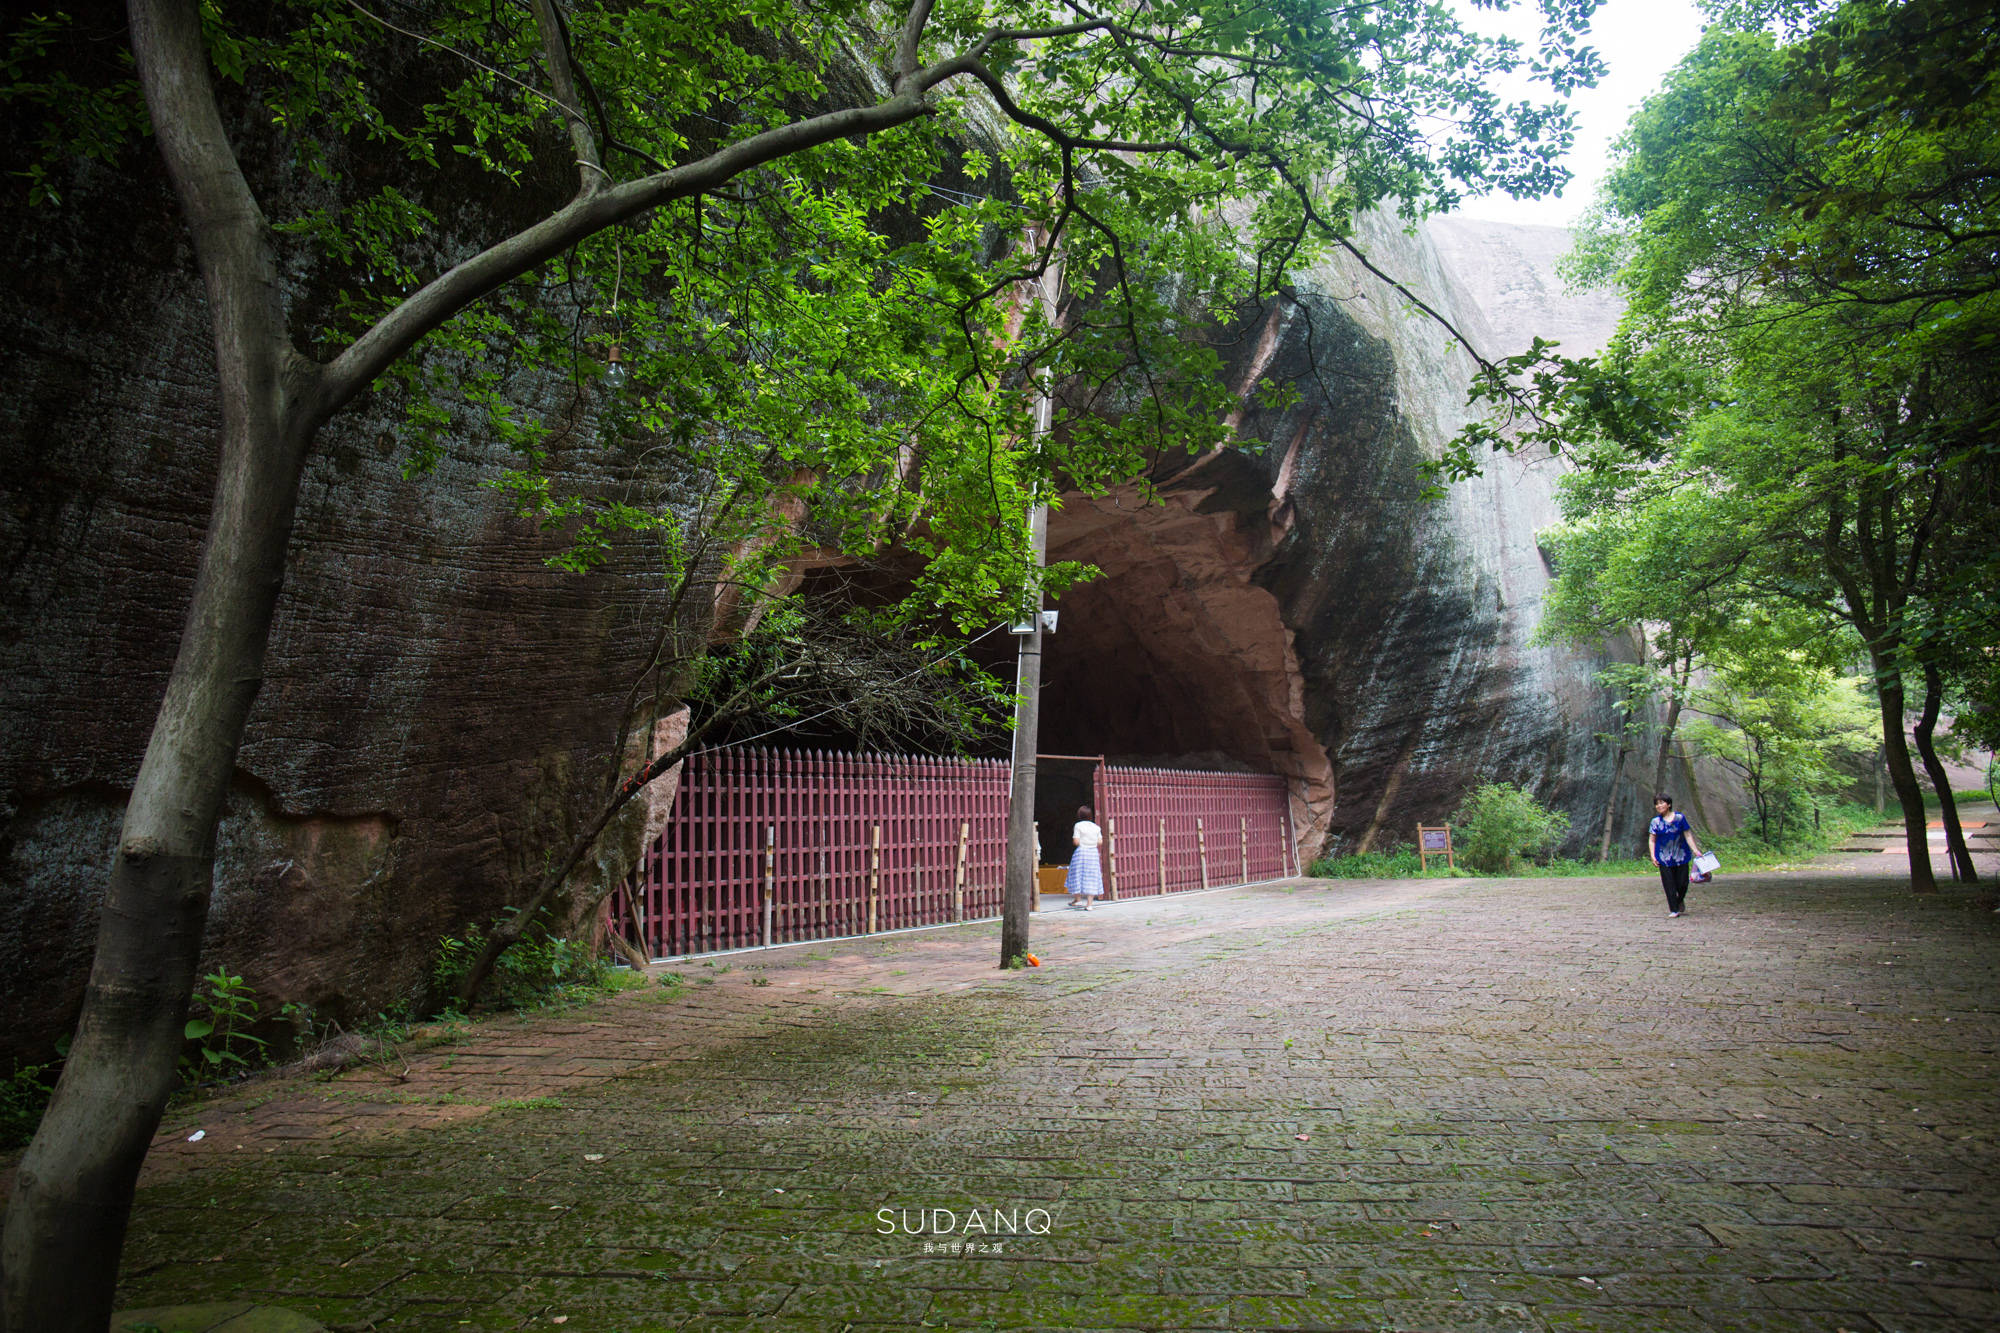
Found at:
[1793, 436]
[1396, 861]
[74, 103]
[222, 1012]
[837, 348]
[1816, 830]
[24, 1095]
[818, 671]
[1497, 824]
[1784, 726]
[538, 970]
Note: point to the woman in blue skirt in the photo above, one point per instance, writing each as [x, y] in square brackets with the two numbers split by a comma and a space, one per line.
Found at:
[1084, 880]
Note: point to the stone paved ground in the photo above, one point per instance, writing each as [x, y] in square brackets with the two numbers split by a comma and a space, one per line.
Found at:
[1422, 1105]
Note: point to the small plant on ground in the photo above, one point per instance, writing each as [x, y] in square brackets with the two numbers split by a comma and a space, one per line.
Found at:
[1395, 861]
[24, 1095]
[223, 1011]
[1498, 824]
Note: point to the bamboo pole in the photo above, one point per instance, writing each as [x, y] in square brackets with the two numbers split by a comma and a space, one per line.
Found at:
[638, 921]
[958, 880]
[874, 877]
[825, 893]
[770, 877]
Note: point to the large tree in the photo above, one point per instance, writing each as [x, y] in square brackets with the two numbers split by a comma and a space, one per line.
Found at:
[761, 161]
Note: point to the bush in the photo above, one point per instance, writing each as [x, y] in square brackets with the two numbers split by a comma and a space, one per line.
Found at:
[220, 1043]
[538, 969]
[1498, 824]
[1394, 862]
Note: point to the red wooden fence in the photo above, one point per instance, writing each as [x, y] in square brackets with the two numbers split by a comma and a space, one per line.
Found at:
[772, 847]
[1168, 829]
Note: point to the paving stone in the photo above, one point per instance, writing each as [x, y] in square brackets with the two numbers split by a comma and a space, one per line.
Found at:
[1711, 1120]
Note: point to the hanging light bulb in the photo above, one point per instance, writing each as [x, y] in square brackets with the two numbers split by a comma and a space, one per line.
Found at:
[615, 373]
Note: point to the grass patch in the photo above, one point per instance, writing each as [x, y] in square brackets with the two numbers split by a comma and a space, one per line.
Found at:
[1739, 851]
[1960, 795]
[1397, 862]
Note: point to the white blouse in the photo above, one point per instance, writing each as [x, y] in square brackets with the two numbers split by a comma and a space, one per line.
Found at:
[1087, 834]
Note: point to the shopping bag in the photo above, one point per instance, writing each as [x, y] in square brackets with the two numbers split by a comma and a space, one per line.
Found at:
[1707, 864]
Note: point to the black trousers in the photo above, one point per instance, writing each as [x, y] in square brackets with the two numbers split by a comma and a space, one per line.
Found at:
[1674, 879]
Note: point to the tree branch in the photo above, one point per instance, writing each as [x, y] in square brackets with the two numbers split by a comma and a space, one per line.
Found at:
[591, 176]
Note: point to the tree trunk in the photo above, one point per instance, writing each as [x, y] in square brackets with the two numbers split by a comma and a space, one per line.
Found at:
[1666, 743]
[66, 1222]
[1611, 801]
[1903, 777]
[1926, 728]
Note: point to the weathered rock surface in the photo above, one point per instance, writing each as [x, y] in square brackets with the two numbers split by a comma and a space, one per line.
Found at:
[433, 689]
[1304, 609]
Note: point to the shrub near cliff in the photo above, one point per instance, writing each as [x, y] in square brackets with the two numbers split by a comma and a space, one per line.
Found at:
[1499, 824]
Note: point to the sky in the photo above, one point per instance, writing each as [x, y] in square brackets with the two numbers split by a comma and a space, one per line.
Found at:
[1640, 41]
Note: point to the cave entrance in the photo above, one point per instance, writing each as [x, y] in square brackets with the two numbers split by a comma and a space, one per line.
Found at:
[1177, 656]
[1063, 782]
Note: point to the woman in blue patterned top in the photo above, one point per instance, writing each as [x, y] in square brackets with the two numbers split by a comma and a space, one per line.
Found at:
[1671, 840]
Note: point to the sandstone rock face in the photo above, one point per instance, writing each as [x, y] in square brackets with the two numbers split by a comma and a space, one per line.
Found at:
[436, 697]
[1304, 610]
[433, 691]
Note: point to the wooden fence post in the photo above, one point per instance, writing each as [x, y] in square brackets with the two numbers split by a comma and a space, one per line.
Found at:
[1201, 846]
[958, 880]
[633, 910]
[1243, 833]
[874, 877]
[770, 877]
[1163, 854]
[1110, 860]
[825, 892]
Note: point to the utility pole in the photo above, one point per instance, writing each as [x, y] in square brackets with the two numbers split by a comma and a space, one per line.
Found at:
[1020, 887]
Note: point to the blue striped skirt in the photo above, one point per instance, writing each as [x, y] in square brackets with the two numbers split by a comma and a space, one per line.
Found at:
[1084, 879]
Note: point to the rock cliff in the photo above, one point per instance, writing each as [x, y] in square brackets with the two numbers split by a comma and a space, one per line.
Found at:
[1303, 609]
[434, 690]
